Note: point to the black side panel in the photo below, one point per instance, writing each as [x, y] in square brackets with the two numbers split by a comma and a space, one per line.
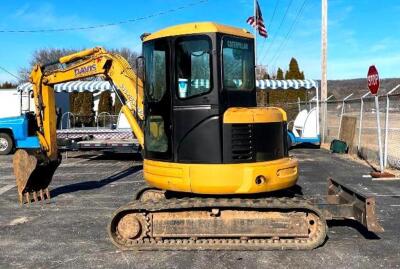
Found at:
[239, 98]
[254, 142]
[238, 143]
[201, 142]
[271, 142]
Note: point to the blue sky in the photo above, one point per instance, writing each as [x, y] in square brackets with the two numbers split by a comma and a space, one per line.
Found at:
[361, 32]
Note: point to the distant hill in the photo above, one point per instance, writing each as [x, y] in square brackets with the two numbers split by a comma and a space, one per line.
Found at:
[342, 88]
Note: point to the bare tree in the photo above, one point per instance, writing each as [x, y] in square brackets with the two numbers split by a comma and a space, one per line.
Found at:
[131, 57]
[43, 56]
[49, 55]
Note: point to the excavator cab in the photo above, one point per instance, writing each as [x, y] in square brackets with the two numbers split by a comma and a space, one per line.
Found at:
[201, 114]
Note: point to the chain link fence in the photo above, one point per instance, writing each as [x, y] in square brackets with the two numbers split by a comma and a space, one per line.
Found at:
[363, 110]
[365, 141]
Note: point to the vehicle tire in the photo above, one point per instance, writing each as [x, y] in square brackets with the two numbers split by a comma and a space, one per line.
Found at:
[6, 144]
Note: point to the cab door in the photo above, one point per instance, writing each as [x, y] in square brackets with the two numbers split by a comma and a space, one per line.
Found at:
[157, 126]
[196, 116]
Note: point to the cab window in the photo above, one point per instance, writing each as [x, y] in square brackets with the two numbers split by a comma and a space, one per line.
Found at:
[156, 139]
[155, 54]
[238, 63]
[157, 119]
[193, 61]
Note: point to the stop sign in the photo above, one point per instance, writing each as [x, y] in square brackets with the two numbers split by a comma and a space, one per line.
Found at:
[373, 79]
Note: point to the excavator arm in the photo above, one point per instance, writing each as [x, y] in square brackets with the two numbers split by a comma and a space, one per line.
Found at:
[34, 169]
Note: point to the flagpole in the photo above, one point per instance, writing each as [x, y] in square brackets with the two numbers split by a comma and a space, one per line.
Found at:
[255, 34]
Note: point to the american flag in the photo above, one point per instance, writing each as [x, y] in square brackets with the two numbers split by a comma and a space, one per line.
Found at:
[258, 22]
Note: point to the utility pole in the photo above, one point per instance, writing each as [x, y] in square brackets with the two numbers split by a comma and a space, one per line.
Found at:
[324, 49]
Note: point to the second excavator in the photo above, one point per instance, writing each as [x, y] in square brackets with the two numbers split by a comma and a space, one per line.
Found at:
[213, 160]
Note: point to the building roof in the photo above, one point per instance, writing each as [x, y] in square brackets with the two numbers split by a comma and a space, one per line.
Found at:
[198, 28]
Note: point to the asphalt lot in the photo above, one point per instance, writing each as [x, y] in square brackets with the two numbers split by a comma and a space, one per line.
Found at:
[70, 231]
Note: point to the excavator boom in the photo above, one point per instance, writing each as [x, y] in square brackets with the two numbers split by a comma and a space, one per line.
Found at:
[34, 169]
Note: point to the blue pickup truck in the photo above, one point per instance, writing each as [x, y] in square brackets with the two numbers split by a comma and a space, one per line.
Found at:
[18, 132]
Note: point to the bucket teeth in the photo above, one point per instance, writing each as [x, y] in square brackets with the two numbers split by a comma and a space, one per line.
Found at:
[35, 196]
[47, 193]
[41, 195]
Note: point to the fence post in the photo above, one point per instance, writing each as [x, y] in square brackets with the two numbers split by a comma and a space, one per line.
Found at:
[387, 124]
[341, 115]
[323, 106]
[298, 103]
[104, 118]
[361, 121]
[324, 119]
[386, 131]
[378, 126]
[69, 119]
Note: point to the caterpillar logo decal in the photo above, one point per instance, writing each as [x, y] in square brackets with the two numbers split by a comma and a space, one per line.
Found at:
[84, 70]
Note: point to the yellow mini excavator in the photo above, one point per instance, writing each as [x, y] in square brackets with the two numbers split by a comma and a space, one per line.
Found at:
[213, 160]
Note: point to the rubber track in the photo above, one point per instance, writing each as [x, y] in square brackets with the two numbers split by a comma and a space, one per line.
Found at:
[191, 204]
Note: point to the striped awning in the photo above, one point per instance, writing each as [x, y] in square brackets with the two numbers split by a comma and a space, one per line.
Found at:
[98, 86]
[73, 86]
[286, 84]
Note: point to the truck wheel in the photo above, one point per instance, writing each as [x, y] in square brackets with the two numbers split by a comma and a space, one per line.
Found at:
[6, 144]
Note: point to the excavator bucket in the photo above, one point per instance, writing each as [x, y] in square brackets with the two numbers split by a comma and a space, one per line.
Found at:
[33, 175]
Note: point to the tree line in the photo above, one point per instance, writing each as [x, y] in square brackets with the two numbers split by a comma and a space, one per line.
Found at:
[278, 97]
[8, 85]
[293, 72]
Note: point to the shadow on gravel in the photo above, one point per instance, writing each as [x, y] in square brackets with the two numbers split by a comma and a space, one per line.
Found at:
[90, 156]
[118, 156]
[295, 191]
[305, 146]
[95, 184]
[356, 226]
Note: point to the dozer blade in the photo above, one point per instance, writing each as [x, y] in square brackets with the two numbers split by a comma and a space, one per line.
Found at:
[345, 203]
[33, 175]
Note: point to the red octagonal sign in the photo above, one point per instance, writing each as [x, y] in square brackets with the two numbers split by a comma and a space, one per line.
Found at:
[373, 79]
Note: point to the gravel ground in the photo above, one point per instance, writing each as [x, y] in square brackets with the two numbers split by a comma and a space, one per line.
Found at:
[70, 231]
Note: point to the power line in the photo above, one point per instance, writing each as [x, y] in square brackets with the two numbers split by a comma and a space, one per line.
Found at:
[279, 28]
[287, 38]
[8, 72]
[106, 24]
[273, 13]
[284, 42]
